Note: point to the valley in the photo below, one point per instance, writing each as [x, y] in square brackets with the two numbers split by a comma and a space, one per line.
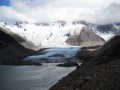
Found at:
[59, 45]
[46, 54]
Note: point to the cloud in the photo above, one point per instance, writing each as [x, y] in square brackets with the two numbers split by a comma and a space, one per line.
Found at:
[94, 11]
[109, 14]
[8, 14]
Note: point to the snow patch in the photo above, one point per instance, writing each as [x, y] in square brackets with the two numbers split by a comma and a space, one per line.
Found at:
[105, 36]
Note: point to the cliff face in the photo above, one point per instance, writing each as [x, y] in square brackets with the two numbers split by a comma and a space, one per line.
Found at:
[99, 73]
[10, 49]
[85, 38]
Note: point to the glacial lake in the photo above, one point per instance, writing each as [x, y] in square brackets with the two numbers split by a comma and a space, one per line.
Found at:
[31, 77]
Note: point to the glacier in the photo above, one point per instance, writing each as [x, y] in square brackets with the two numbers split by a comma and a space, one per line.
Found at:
[52, 36]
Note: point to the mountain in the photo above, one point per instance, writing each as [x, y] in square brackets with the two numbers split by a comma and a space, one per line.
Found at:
[99, 73]
[56, 34]
[105, 28]
[105, 31]
[53, 35]
[11, 51]
[85, 38]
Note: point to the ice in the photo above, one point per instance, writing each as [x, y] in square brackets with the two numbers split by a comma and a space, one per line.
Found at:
[68, 52]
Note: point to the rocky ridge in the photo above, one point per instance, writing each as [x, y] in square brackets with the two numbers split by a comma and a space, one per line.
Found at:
[86, 37]
[11, 51]
[101, 72]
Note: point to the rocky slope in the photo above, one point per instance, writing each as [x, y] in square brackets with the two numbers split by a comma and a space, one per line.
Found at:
[11, 51]
[99, 73]
[86, 37]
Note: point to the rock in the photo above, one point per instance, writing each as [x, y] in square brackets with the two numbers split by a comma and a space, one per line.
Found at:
[68, 64]
[102, 72]
[73, 40]
[87, 78]
[10, 49]
[85, 38]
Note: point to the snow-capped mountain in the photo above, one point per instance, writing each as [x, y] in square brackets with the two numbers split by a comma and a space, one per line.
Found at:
[106, 31]
[105, 28]
[49, 35]
[55, 34]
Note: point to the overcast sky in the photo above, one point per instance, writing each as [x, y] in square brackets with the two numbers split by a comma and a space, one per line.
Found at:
[94, 11]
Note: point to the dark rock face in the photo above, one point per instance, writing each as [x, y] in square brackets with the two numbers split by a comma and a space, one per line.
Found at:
[86, 38]
[87, 53]
[62, 23]
[102, 72]
[101, 28]
[41, 24]
[10, 49]
[79, 22]
[68, 64]
[109, 51]
[68, 34]
[107, 28]
[73, 40]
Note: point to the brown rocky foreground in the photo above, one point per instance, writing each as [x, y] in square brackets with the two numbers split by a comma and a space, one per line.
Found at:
[101, 71]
